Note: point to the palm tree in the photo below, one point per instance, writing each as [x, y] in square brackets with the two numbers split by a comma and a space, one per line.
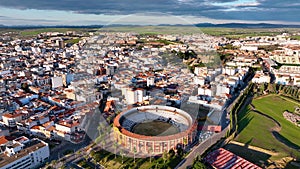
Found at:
[100, 138]
[107, 130]
[134, 152]
[53, 163]
[100, 128]
[77, 153]
[150, 151]
[122, 154]
[103, 143]
[165, 156]
[115, 146]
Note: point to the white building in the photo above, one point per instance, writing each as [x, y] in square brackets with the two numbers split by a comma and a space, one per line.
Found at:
[57, 82]
[286, 59]
[134, 96]
[222, 90]
[150, 81]
[229, 71]
[260, 77]
[10, 120]
[199, 80]
[249, 48]
[282, 78]
[24, 153]
[204, 91]
[201, 71]
[296, 80]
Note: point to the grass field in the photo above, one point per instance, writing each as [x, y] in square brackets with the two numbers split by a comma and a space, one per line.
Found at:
[275, 106]
[258, 130]
[240, 33]
[35, 32]
[153, 30]
[190, 29]
[226, 32]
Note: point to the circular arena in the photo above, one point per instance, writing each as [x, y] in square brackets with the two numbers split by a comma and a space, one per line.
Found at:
[154, 129]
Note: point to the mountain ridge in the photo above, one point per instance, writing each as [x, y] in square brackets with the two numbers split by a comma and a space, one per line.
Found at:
[225, 25]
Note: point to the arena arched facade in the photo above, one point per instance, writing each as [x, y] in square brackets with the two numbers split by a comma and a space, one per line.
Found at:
[125, 122]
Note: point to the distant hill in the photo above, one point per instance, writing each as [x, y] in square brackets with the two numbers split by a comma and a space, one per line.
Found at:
[246, 25]
[226, 25]
[56, 26]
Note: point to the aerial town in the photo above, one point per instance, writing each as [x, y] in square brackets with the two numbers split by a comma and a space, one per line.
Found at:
[102, 99]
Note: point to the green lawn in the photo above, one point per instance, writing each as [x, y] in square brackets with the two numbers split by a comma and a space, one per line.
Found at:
[275, 106]
[236, 33]
[256, 129]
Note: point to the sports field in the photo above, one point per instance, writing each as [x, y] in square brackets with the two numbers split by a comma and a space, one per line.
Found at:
[263, 125]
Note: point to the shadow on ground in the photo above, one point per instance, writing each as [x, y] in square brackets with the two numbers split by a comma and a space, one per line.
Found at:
[256, 157]
[243, 120]
[287, 142]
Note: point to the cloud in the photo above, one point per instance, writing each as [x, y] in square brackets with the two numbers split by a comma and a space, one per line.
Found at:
[251, 10]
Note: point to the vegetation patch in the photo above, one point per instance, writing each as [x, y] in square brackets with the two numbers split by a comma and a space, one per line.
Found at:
[259, 128]
[112, 161]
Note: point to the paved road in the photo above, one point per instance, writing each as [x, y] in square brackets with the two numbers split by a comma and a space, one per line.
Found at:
[58, 151]
[200, 149]
[203, 146]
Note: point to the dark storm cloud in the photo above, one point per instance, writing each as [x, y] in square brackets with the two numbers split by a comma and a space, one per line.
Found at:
[280, 4]
[113, 6]
[273, 10]
[263, 10]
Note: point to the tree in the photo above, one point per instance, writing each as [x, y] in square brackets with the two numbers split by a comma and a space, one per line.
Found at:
[103, 143]
[77, 153]
[100, 128]
[122, 154]
[199, 165]
[53, 163]
[63, 167]
[115, 147]
[134, 152]
[171, 153]
[150, 151]
[93, 153]
[165, 156]
[179, 152]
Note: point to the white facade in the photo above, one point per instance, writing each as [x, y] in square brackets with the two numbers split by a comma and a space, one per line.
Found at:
[285, 59]
[200, 71]
[24, 154]
[57, 82]
[261, 78]
[229, 71]
[199, 80]
[249, 48]
[204, 91]
[222, 90]
[64, 127]
[282, 79]
[11, 120]
[150, 81]
[134, 96]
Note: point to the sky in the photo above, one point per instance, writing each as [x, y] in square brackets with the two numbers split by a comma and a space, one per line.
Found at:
[144, 12]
